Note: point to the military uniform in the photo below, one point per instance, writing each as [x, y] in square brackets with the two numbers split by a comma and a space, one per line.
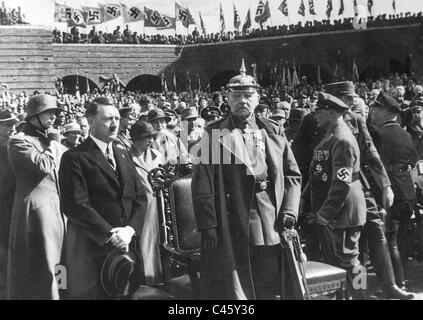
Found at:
[244, 189]
[398, 155]
[336, 195]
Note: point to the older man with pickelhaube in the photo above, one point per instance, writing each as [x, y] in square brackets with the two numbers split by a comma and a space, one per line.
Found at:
[38, 226]
[308, 136]
[334, 197]
[399, 155]
[246, 190]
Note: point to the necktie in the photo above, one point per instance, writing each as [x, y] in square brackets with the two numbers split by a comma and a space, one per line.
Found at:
[110, 159]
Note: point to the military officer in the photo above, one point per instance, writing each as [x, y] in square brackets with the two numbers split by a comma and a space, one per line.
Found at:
[399, 155]
[245, 192]
[373, 171]
[127, 119]
[210, 114]
[415, 127]
[334, 194]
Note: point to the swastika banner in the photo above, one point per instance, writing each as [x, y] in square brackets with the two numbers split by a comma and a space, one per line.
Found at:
[93, 15]
[132, 13]
[111, 11]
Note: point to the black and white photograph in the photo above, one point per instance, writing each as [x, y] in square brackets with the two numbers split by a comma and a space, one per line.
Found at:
[193, 151]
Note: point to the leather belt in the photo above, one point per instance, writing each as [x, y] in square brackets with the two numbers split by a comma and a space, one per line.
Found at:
[262, 185]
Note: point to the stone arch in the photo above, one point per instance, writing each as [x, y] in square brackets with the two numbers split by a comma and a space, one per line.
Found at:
[70, 82]
[221, 79]
[144, 83]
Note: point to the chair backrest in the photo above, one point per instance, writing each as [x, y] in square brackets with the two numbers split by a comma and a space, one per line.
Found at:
[172, 187]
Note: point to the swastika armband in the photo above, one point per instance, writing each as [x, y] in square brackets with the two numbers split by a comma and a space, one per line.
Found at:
[344, 175]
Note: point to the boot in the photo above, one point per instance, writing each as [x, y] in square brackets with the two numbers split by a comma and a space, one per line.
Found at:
[381, 261]
[397, 264]
[393, 292]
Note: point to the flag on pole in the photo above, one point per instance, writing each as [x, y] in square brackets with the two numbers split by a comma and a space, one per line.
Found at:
[199, 81]
[132, 13]
[289, 77]
[77, 19]
[153, 19]
[295, 80]
[202, 25]
[355, 8]
[254, 66]
[93, 15]
[301, 9]
[284, 8]
[182, 14]
[188, 81]
[164, 84]
[338, 57]
[237, 18]
[247, 23]
[319, 77]
[222, 20]
[167, 22]
[262, 13]
[88, 91]
[370, 6]
[283, 82]
[341, 8]
[111, 11]
[394, 6]
[174, 82]
[329, 8]
[356, 76]
[62, 13]
[311, 7]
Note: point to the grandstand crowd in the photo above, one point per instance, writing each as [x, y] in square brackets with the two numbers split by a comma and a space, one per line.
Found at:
[128, 37]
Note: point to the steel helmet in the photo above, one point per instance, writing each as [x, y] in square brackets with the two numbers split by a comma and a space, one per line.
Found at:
[40, 103]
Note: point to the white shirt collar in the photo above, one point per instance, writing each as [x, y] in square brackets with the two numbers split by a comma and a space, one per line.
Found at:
[102, 145]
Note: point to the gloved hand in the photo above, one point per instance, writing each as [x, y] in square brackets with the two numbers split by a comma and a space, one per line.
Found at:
[287, 221]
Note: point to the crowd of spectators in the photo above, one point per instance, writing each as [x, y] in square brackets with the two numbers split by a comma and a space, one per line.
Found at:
[402, 86]
[10, 16]
[128, 37]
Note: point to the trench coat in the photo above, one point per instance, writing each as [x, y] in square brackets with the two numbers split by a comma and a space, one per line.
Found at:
[150, 237]
[222, 196]
[38, 226]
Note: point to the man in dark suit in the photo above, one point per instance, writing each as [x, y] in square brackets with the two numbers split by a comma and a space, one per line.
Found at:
[246, 191]
[103, 200]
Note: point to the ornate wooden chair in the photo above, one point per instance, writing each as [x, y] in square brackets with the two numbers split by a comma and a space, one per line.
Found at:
[180, 240]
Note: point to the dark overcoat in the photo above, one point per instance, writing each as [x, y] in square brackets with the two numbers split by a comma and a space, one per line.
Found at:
[222, 196]
[96, 200]
[37, 227]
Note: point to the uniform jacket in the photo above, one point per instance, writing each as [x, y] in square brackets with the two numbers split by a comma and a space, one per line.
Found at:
[222, 195]
[416, 133]
[95, 200]
[335, 191]
[396, 147]
[38, 226]
[309, 135]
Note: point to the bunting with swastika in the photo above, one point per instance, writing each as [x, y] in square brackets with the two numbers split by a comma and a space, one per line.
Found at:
[132, 13]
[111, 11]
